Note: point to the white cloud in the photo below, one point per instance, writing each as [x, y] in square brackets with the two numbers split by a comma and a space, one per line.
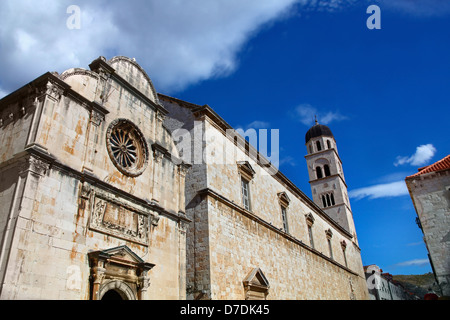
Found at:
[393, 189]
[422, 155]
[306, 113]
[415, 262]
[178, 43]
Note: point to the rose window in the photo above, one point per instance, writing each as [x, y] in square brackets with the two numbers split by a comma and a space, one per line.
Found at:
[127, 148]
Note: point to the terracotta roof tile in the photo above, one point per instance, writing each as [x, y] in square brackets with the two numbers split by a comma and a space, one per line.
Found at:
[443, 164]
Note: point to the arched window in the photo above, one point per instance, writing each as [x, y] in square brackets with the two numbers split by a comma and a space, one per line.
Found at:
[332, 199]
[324, 202]
[328, 200]
[326, 168]
[319, 172]
[329, 144]
[319, 147]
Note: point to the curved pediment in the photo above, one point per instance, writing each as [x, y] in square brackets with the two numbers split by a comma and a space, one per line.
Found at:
[135, 75]
[85, 81]
[82, 81]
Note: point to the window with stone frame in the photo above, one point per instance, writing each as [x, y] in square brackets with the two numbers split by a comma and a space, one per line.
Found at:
[284, 200]
[329, 236]
[326, 169]
[319, 172]
[344, 247]
[245, 187]
[284, 217]
[246, 173]
[328, 200]
[309, 222]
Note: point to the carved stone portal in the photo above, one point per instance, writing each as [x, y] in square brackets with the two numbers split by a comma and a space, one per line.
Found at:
[119, 270]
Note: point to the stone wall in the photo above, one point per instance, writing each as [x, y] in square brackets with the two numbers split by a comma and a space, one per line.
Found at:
[431, 197]
[239, 243]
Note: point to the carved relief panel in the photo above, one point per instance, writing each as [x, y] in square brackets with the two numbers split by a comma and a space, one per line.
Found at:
[118, 217]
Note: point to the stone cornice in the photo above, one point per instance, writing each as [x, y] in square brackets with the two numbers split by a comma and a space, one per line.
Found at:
[38, 86]
[86, 176]
[309, 155]
[323, 179]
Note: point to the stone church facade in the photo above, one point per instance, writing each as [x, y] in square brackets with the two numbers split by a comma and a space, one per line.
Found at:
[91, 199]
[101, 199]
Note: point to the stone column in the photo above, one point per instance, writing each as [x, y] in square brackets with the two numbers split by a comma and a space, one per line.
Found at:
[97, 276]
[30, 170]
[182, 171]
[91, 140]
[144, 284]
[44, 103]
[158, 155]
[182, 227]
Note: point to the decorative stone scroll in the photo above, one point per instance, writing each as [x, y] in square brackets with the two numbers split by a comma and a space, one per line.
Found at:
[54, 90]
[119, 217]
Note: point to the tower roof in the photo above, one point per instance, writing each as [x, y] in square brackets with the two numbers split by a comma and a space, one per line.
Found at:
[318, 130]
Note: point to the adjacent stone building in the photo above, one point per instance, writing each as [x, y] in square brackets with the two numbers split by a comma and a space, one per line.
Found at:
[254, 234]
[429, 189]
[382, 286]
[109, 190]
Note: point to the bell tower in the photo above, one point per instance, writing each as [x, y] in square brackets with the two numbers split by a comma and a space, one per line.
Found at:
[326, 176]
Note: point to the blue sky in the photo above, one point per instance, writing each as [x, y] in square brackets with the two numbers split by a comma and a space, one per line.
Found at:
[273, 65]
[383, 92]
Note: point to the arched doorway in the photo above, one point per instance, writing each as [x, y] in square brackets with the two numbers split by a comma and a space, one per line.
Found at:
[117, 290]
[112, 295]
